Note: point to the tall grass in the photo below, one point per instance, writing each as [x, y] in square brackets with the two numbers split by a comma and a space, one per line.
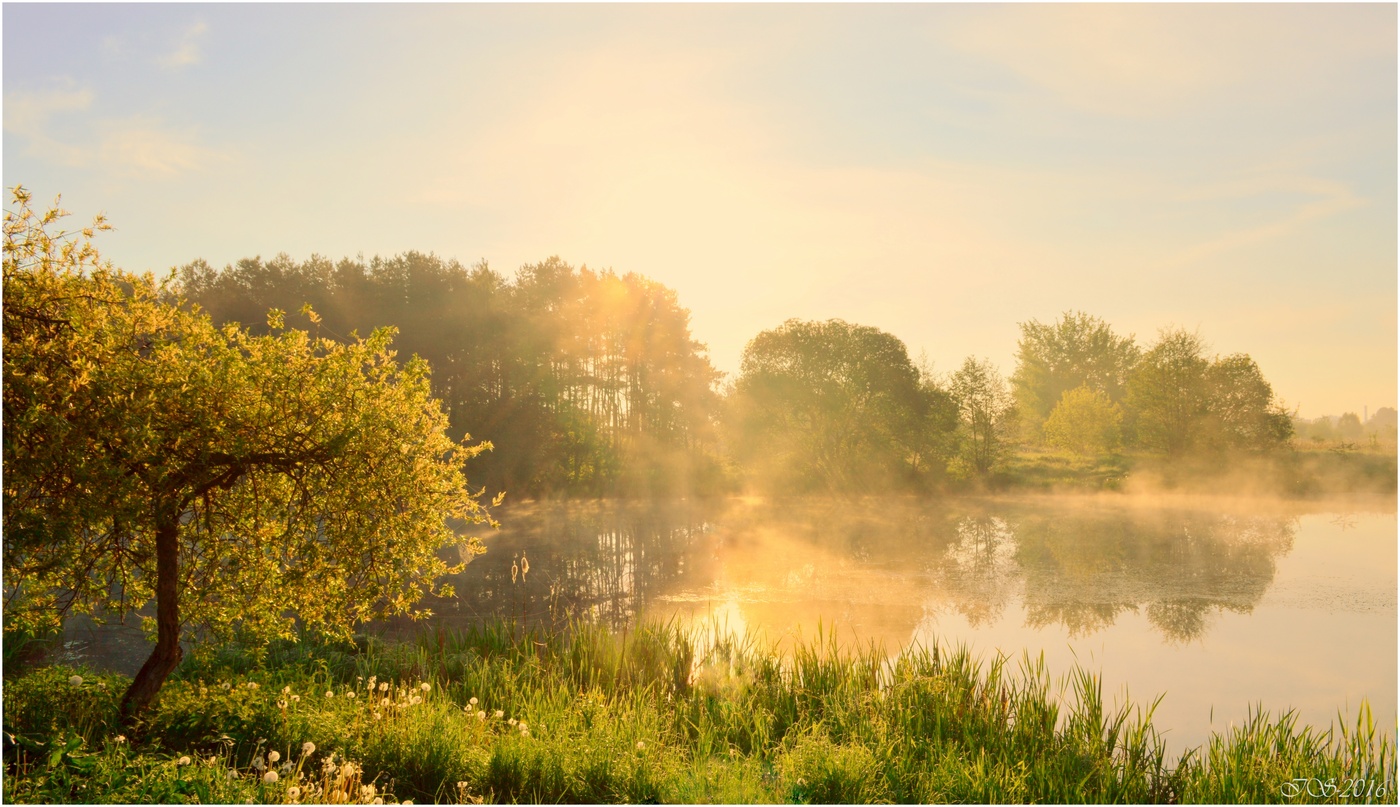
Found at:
[655, 713]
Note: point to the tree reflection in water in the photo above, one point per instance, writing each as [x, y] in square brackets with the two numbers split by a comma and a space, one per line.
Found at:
[880, 561]
[1084, 569]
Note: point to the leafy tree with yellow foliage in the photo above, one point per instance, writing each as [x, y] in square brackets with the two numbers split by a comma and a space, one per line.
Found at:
[241, 482]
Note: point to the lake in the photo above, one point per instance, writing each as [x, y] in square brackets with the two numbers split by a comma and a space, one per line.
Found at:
[1221, 606]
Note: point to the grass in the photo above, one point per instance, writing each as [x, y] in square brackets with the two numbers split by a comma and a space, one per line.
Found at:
[649, 715]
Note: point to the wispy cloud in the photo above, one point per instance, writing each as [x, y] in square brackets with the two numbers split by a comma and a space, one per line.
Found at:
[187, 51]
[135, 146]
[30, 114]
[143, 148]
[1321, 199]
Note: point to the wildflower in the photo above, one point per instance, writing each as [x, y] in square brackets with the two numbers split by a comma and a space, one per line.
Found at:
[204, 690]
[308, 748]
[232, 774]
[372, 679]
[252, 684]
[296, 699]
[293, 792]
[523, 725]
[425, 687]
[524, 566]
[524, 730]
[383, 701]
[511, 721]
[383, 686]
[498, 714]
[273, 756]
[480, 715]
[270, 777]
[472, 701]
[366, 791]
[76, 680]
[641, 745]
[350, 693]
[281, 704]
[330, 694]
[224, 685]
[121, 739]
[183, 761]
[416, 700]
[287, 690]
[258, 763]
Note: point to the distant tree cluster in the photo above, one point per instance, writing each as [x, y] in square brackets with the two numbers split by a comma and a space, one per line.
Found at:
[1348, 428]
[586, 382]
[1081, 387]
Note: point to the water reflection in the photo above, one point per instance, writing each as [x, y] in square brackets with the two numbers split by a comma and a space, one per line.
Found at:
[877, 566]
[595, 561]
[1083, 572]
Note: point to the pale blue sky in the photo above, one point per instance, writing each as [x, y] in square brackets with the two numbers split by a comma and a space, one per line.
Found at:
[941, 172]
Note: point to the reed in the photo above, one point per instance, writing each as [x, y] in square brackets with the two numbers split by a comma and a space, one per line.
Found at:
[506, 713]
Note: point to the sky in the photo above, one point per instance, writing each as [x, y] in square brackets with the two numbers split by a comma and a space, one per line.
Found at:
[940, 172]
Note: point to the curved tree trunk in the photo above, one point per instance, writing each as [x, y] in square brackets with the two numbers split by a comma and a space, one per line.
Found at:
[167, 654]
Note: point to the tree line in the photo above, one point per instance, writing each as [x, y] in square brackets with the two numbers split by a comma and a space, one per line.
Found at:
[589, 382]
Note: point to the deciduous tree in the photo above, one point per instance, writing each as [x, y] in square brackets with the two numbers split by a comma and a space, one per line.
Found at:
[1078, 350]
[985, 409]
[241, 482]
[1085, 422]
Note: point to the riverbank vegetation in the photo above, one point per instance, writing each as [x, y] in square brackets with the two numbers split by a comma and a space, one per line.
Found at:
[656, 714]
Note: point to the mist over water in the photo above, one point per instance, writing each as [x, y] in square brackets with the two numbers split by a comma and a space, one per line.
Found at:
[1221, 606]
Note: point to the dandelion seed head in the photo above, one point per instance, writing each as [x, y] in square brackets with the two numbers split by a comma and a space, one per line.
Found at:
[498, 714]
[384, 686]
[76, 680]
[480, 715]
[350, 694]
[183, 761]
[472, 701]
[293, 792]
[425, 687]
[273, 756]
[641, 745]
[308, 748]
[287, 690]
[121, 739]
[270, 777]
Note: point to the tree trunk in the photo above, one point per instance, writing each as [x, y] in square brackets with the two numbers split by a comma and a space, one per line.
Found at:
[167, 654]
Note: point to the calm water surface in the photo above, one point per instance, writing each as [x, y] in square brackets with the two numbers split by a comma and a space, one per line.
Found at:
[1222, 608]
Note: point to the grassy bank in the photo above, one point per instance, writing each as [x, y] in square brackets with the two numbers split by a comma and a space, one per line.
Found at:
[643, 716]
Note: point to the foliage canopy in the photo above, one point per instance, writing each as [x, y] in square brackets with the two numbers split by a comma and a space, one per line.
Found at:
[240, 481]
[831, 404]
